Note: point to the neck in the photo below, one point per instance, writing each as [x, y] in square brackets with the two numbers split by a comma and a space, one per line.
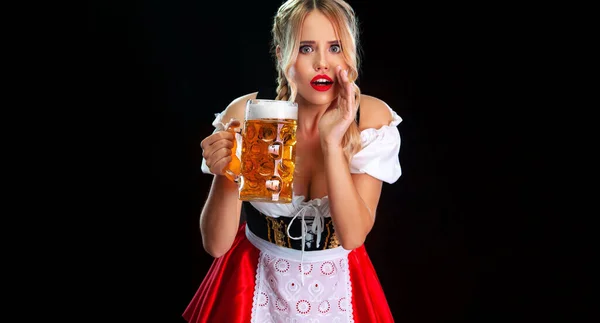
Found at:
[308, 117]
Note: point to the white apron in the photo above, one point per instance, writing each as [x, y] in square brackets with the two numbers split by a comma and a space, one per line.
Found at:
[296, 286]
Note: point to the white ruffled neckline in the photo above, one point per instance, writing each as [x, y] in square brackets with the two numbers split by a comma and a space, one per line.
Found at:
[300, 200]
[298, 203]
[396, 120]
[368, 133]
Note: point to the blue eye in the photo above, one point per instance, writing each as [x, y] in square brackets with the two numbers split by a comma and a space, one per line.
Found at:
[305, 49]
[336, 48]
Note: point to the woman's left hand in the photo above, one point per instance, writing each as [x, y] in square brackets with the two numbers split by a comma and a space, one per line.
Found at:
[336, 120]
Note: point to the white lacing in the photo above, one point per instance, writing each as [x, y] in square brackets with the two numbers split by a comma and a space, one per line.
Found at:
[317, 228]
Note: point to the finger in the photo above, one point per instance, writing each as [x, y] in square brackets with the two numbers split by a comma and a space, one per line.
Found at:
[222, 143]
[347, 86]
[223, 152]
[347, 94]
[208, 141]
[342, 83]
[213, 161]
[220, 154]
[351, 98]
[220, 166]
[342, 89]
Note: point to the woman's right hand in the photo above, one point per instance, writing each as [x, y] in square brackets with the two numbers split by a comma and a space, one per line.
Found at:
[217, 148]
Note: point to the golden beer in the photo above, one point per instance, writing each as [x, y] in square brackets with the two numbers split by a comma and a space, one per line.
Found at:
[268, 157]
[268, 152]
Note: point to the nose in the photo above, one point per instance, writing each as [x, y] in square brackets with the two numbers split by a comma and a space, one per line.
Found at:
[321, 63]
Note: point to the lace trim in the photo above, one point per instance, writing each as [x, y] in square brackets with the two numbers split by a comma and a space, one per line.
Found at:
[346, 269]
[257, 286]
[277, 282]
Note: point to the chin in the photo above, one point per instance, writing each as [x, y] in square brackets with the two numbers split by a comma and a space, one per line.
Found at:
[320, 98]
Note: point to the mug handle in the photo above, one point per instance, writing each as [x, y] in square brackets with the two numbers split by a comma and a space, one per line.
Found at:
[233, 170]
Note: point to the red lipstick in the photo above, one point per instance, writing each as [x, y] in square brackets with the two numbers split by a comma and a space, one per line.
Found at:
[321, 82]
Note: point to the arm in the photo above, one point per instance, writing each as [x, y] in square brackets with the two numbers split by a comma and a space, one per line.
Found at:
[220, 216]
[354, 197]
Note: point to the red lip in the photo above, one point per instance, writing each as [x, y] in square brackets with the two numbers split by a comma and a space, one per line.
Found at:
[321, 76]
[320, 86]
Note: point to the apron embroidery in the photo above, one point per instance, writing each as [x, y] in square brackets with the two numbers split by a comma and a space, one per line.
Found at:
[281, 296]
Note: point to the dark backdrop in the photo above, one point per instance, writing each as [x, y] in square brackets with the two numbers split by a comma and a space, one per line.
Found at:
[456, 238]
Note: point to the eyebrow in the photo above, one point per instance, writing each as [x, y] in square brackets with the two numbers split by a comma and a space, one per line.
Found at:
[312, 42]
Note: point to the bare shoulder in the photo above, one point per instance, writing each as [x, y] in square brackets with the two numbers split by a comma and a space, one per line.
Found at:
[374, 112]
[236, 109]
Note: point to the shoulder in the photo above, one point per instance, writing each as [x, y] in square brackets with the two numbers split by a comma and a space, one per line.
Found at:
[236, 109]
[374, 113]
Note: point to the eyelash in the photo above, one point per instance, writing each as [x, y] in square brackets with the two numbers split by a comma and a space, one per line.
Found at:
[308, 46]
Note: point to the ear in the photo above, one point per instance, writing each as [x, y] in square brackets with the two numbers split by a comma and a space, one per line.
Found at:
[278, 53]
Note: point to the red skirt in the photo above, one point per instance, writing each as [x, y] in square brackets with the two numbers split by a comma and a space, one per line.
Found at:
[227, 291]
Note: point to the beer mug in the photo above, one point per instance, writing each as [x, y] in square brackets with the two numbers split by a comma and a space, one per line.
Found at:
[266, 169]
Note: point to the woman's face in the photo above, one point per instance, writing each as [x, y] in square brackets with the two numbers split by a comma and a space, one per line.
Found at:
[320, 52]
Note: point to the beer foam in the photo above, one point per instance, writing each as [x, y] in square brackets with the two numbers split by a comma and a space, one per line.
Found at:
[271, 109]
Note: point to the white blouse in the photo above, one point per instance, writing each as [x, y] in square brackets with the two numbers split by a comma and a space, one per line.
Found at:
[379, 157]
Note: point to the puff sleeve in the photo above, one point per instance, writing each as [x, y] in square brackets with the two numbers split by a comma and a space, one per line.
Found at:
[379, 156]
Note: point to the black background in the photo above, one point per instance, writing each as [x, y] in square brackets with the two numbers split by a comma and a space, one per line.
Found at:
[460, 237]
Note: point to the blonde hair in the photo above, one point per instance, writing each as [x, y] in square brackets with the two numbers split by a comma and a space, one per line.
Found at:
[287, 25]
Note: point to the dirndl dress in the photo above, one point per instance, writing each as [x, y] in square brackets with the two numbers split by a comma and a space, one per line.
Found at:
[274, 274]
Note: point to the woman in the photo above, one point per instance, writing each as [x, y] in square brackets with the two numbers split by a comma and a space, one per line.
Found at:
[342, 159]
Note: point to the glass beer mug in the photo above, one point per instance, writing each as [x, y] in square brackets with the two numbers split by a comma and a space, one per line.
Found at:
[265, 170]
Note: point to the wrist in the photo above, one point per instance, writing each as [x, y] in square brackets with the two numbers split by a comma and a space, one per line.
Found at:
[331, 148]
